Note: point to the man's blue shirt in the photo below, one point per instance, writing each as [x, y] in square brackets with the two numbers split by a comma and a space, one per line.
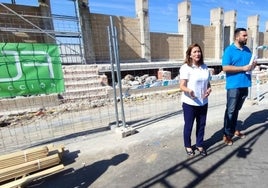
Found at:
[237, 57]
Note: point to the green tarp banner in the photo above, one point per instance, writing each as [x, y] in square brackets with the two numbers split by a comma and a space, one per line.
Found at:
[30, 69]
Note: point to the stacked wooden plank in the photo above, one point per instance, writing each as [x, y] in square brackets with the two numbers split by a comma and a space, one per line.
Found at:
[23, 156]
[20, 167]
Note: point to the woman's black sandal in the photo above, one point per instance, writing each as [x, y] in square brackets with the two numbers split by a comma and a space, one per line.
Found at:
[202, 151]
[190, 153]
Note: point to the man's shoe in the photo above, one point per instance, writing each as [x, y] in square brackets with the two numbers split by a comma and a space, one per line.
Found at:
[239, 134]
[227, 140]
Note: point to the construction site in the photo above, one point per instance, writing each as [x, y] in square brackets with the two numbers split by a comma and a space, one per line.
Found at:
[76, 90]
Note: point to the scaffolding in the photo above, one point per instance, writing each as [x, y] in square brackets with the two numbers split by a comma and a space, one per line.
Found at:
[17, 26]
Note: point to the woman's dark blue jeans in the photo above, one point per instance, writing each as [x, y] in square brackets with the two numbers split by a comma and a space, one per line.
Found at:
[235, 101]
[192, 113]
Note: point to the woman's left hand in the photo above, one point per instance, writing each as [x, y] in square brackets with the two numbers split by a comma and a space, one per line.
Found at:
[208, 92]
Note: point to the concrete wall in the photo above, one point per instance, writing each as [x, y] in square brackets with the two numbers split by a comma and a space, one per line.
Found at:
[169, 46]
[131, 37]
[166, 46]
[128, 34]
[205, 37]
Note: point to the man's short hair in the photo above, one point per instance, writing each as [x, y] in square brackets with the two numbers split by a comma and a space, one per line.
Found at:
[237, 30]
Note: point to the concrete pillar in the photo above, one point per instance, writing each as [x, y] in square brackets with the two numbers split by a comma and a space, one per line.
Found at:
[184, 23]
[230, 21]
[253, 27]
[143, 14]
[84, 17]
[216, 20]
[45, 10]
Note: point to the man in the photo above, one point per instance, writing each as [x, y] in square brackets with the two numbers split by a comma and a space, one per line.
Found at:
[235, 63]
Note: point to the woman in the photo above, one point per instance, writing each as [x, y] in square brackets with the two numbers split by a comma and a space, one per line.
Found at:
[194, 82]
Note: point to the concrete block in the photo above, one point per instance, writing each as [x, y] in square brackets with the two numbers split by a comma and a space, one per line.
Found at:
[125, 131]
[164, 75]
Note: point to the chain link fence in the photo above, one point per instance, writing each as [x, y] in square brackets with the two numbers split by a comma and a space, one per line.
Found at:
[56, 124]
[34, 120]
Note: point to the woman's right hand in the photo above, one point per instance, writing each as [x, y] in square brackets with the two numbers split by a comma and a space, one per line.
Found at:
[191, 94]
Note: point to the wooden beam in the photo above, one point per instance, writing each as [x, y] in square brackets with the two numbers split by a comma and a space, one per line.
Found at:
[20, 157]
[27, 179]
[29, 167]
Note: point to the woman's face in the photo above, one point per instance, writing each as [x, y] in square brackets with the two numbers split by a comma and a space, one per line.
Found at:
[195, 54]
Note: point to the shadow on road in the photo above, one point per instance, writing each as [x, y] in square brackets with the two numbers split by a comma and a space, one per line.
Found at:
[146, 122]
[241, 152]
[253, 119]
[82, 177]
[87, 175]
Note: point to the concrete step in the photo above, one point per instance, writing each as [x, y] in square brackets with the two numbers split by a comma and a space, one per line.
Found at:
[83, 81]
[93, 90]
[80, 85]
[71, 77]
[75, 71]
[78, 69]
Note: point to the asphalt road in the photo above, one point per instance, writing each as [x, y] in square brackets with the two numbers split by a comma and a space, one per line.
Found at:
[155, 156]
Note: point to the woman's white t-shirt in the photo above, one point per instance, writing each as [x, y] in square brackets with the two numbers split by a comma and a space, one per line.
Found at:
[197, 80]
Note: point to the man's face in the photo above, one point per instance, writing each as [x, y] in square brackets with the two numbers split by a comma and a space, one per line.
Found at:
[242, 38]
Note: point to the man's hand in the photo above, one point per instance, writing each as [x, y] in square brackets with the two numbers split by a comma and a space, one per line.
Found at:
[250, 67]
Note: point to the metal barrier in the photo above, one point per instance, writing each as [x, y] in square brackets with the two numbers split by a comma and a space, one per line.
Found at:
[69, 120]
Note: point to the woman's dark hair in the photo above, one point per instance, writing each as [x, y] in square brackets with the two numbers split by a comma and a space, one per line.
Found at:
[188, 59]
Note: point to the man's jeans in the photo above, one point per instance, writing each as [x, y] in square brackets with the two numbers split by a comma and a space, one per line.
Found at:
[235, 100]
